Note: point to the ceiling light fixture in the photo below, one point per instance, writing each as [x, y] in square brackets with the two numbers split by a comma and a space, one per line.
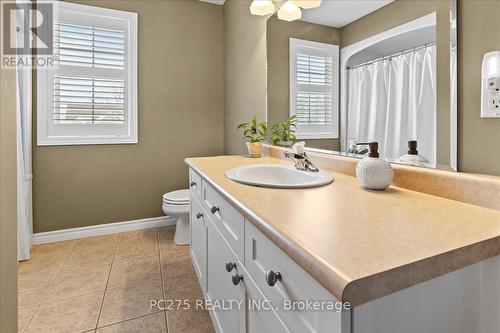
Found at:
[262, 7]
[308, 4]
[289, 11]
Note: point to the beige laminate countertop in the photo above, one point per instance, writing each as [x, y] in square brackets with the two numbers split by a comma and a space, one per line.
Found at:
[361, 244]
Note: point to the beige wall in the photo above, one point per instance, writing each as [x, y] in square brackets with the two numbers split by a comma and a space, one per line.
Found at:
[8, 208]
[244, 71]
[180, 82]
[403, 11]
[479, 138]
[278, 70]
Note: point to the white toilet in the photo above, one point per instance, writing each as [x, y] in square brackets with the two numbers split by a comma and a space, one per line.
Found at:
[176, 204]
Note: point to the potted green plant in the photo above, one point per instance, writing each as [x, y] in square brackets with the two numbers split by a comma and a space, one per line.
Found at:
[283, 134]
[254, 133]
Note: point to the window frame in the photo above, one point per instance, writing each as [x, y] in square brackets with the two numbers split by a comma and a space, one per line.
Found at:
[50, 134]
[312, 131]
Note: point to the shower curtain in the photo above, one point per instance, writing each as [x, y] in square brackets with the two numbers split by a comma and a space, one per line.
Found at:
[24, 171]
[394, 100]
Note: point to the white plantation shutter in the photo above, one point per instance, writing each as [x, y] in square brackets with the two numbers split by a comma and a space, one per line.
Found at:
[90, 96]
[314, 88]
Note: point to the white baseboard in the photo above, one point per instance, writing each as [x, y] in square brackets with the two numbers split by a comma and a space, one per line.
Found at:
[101, 229]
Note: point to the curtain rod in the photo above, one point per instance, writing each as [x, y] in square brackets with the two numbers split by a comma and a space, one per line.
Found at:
[392, 55]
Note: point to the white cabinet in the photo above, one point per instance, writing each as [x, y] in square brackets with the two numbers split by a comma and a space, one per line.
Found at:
[232, 257]
[227, 297]
[198, 249]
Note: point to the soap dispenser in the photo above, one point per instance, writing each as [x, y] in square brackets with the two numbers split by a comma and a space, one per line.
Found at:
[374, 172]
[413, 158]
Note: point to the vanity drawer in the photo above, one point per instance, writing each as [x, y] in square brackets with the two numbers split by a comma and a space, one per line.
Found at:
[229, 222]
[195, 184]
[262, 256]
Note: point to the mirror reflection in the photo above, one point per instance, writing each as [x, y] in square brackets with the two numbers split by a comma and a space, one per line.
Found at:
[353, 72]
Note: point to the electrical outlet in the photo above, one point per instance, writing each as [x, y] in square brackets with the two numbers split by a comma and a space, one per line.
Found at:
[493, 92]
[490, 85]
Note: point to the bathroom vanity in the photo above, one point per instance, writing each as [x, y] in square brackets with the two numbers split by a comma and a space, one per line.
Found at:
[370, 261]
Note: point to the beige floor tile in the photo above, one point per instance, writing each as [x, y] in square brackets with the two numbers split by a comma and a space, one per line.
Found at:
[137, 244]
[42, 263]
[145, 234]
[30, 297]
[129, 302]
[134, 271]
[57, 247]
[166, 232]
[176, 262]
[71, 315]
[183, 287]
[98, 242]
[154, 323]
[170, 251]
[83, 258]
[31, 282]
[93, 251]
[24, 316]
[189, 321]
[78, 281]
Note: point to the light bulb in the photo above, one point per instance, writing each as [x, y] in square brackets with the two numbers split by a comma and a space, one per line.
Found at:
[289, 11]
[308, 4]
[262, 7]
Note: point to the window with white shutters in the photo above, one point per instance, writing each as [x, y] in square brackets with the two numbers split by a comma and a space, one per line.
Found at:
[314, 88]
[90, 95]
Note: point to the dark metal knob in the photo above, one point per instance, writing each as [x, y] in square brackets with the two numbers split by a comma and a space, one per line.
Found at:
[272, 277]
[199, 215]
[230, 266]
[237, 278]
[214, 209]
[192, 184]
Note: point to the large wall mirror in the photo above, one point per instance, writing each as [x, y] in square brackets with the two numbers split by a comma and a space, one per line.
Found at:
[352, 72]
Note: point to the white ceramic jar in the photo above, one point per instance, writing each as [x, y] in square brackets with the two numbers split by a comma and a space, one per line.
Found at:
[373, 172]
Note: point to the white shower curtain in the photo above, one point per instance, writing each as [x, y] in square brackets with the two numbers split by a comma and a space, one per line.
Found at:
[24, 171]
[393, 101]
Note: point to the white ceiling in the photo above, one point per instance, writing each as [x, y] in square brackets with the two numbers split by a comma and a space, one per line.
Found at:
[337, 13]
[406, 41]
[217, 2]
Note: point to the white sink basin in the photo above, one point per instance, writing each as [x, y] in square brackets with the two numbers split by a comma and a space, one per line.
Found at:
[278, 176]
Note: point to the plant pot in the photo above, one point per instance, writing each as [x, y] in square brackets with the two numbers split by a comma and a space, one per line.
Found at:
[254, 149]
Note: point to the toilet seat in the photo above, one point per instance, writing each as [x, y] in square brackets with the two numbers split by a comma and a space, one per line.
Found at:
[180, 197]
[176, 204]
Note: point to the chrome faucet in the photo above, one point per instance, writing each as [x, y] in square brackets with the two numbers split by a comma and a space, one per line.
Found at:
[299, 157]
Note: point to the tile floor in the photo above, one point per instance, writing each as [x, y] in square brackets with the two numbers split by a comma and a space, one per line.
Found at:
[104, 284]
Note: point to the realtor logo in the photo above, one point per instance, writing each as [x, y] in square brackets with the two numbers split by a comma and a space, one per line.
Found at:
[27, 33]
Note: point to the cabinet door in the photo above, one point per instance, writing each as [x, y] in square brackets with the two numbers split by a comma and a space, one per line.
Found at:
[226, 299]
[260, 317]
[198, 245]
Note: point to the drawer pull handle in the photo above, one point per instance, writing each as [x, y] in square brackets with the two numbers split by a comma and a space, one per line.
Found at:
[272, 277]
[237, 278]
[214, 209]
[199, 216]
[192, 184]
[230, 266]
